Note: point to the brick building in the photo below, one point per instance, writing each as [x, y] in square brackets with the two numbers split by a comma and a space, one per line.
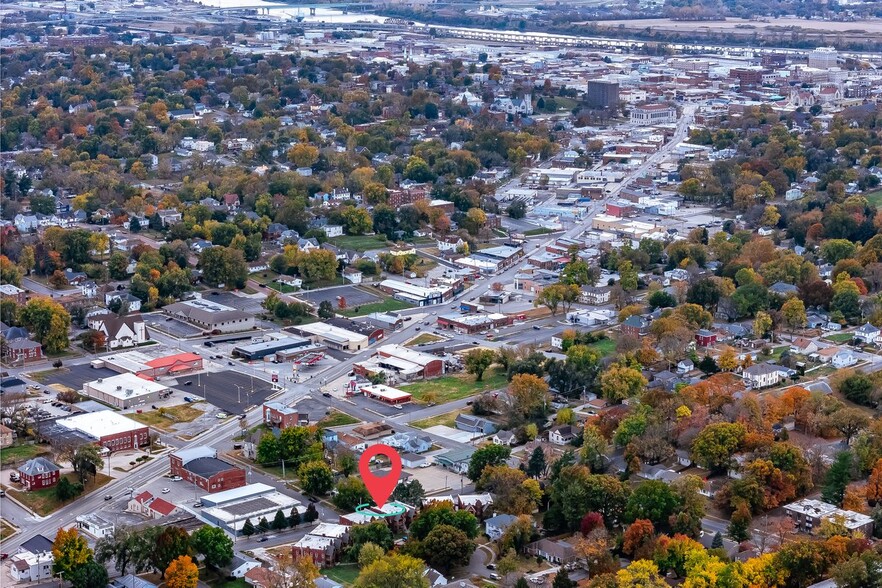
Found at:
[200, 466]
[276, 414]
[39, 473]
[108, 429]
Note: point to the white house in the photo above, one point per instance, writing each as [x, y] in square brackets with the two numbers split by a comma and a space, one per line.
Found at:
[133, 302]
[503, 438]
[333, 230]
[561, 434]
[867, 333]
[120, 331]
[33, 560]
[89, 289]
[685, 366]
[26, 223]
[451, 243]
[763, 375]
[843, 359]
[494, 527]
[352, 275]
[803, 346]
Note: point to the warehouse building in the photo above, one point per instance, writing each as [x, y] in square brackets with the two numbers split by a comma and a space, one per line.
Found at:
[262, 349]
[125, 390]
[108, 429]
[211, 316]
[416, 295]
[333, 337]
[200, 466]
[401, 363]
[230, 509]
[386, 394]
[474, 323]
[146, 366]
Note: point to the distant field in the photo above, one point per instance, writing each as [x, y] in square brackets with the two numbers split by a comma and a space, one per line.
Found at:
[388, 305]
[604, 347]
[166, 418]
[874, 198]
[450, 388]
[743, 26]
[338, 419]
[448, 419]
[359, 242]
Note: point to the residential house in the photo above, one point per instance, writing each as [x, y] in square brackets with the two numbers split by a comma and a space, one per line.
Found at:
[129, 302]
[763, 375]
[843, 359]
[684, 366]
[451, 243]
[495, 526]
[705, 338]
[33, 560]
[595, 296]
[803, 346]
[473, 424]
[808, 514]
[240, 565]
[503, 438]
[409, 442]
[39, 473]
[635, 326]
[7, 436]
[562, 434]
[556, 552]
[683, 458]
[867, 334]
[152, 507]
[456, 460]
[784, 289]
[352, 275]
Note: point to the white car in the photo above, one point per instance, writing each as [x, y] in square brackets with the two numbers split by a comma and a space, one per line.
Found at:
[425, 464]
[222, 415]
[176, 478]
[165, 490]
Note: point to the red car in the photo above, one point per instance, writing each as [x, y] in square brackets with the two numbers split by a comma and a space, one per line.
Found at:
[3, 556]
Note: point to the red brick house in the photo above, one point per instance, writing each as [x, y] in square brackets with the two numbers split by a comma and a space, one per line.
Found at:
[22, 350]
[200, 466]
[635, 326]
[705, 338]
[39, 473]
[323, 545]
[276, 414]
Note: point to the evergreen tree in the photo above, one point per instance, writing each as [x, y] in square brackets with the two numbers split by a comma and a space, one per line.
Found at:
[248, 528]
[294, 517]
[536, 465]
[522, 583]
[837, 479]
[562, 580]
[280, 521]
[311, 513]
[263, 526]
[134, 225]
[717, 543]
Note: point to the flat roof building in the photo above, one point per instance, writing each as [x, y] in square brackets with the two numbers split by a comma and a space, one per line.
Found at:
[211, 316]
[124, 390]
[200, 466]
[808, 514]
[230, 509]
[386, 394]
[402, 362]
[255, 351]
[109, 429]
[416, 295]
[333, 337]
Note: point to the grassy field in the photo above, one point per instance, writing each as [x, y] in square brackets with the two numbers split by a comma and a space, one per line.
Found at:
[388, 305]
[22, 453]
[604, 347]
[359, 242]
[6, 530]
[441, 419]
[874, 198]
[423, 338]
[778, 351]
[451, 388]
[44, 502]
[345, 574]
[166, 418]
[41, 376]
[338, 419]
[538, 231]
[840, 337]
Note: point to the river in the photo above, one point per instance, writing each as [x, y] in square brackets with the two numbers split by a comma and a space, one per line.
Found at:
[328, 15]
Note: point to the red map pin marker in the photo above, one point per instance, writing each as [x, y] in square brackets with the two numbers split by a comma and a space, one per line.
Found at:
[380, 487]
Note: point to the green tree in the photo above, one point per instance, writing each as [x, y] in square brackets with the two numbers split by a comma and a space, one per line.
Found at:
[351, 492]
[536, 465]
[89, 575]
[715, 444]
[214, 545]
[325, 310]
[171, 543]
[86, 461]
[652, 500]
[116, 266]
[489, 455]
[316, 478]
[627, 276]
[224, 265]
[446, 547]
[393, 571]
[619, 382]
[410, 492]
[369, 553]
[318, 264]
[849, 421]
[65, 490]
[838, 477]
[562, 580]
[376, 533]
[280, 521]
[248, 528]
[48, 321]
[418, 170]
[442, 513]
[793, 312]
[268, 450]
[477, 361]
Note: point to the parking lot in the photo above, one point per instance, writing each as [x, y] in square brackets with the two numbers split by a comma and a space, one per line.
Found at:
[387, 410]
[354, 296]
[229, 391]
[76, 375]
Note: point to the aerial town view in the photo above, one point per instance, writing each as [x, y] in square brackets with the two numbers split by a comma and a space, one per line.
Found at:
[440, 294]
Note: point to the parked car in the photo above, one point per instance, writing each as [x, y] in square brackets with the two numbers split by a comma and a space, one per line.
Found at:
[197, 505]
[165, 490]
[3, 556]
[326, 394]
[262, 540]
[176, 478]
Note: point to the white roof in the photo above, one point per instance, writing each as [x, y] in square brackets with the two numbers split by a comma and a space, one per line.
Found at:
[411, 289]
[239, 493]
[125, 386]
[330, 530]
[331, 332]
[100, 424]
[385, 392]
[407, 354]
[188, 455]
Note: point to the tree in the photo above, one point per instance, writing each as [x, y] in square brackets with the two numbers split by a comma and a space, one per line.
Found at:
[862, 570]
[65, 490]
[857, 388]
[369, 553]
[637, 536]
[628, 276]
[490, 455]
[268, 449]
[410, 492]
[325, 310]
[89, 575]
[619, 382]
[303, 155]
[48, 321]
[552, 297]
[849, 421]
[477, 361]
[351, 492]
[10, 273]
[446, 547]
[528, 396]
[728, 361]
[70, 552]
[514, 493]
[182, 573]
[507, 563]
[280, 521]
[536, 465]
[762, 324]
[376, 533]
[418, 170]
[640, 574]
[661, 299]
[715, 444]
[594, 446]
[214, 545]
[224, 265]
[393, 571]
[442, 513]
[562, 580]
[652, 500]
[171, 543]
[316, 478]
[837, 479]
[793, 311]
[86, 461]
[248, 528]
[874, 484]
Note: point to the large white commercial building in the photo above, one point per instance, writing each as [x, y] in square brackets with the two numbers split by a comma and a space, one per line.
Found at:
[333, 337]
[230, 509]
[124, 390]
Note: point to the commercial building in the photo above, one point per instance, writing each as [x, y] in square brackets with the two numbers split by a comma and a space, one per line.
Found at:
[108, 429]
[386, 394]
[473, 323]
[148, 367]
[333, 337]
[39, 473]
[653, 114]
[823, 58]
[230, 509]
[402, 363]
[808, 514]
[124, 390]
[603, 94]
[94, 525]
[416, 295]
[200, 466]
[14, 293]
[492, 260]
[278, 415]
[262, 349]
[372, 331]
[211, 316]
[33, 560]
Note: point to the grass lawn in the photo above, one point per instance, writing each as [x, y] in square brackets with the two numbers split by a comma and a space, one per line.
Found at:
[345, 574]
[22, 453]
[338, 419]
[778, 351]
[44, 502]
[423, 338]
[388, 305]
[41, 376]
[604, 347]
[451, 388]
[237, 583]
[441, 419]
[840, 337]
[874, 198]
[360, 242]
[6, 530]
[165, 418]
[283, 288]
[538, 231]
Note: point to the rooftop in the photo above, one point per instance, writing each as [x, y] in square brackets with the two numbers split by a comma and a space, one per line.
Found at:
[125, 386]
[100, 424]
